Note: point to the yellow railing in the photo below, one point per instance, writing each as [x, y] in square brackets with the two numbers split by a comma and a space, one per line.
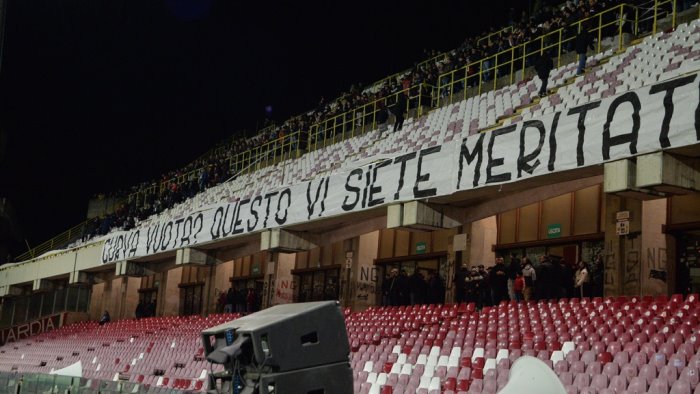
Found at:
[332, 129]
[60, 240]
[439, 57]
[660, 8]
[507, 29]
[485, 73]
[433, 59]
[365, 117]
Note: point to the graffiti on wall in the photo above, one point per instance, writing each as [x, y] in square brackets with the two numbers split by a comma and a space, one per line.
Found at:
[610, 281]
[365, 286]
[656, 263]
[631, 281]
[285, 291]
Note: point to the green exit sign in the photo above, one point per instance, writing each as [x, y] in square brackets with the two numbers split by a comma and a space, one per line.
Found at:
[554, 231]
[420, 247]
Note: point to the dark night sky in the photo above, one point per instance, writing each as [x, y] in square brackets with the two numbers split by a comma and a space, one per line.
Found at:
[101, 94]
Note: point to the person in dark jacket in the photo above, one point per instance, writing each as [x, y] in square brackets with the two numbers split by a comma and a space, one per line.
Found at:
[513, 271]
[105, 318]
[230, 300]
[567, 279]
[582, 42]
[404, 288]
[418, 287]
[398, 110]
[436, 289]
[394, 288]
[140, 309]
[461, 284]
[150, 309]
[543, 65]
[499, 281]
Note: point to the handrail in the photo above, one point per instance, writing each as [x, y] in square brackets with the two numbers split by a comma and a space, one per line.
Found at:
[356, 121]
[61, 239]
[516, 56]
[498, 33]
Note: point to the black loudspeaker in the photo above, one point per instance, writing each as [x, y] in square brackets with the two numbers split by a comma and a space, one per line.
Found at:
[327, 379]
[293, 348]
[288, 337]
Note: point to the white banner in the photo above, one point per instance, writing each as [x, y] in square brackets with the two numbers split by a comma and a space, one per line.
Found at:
[661, 116]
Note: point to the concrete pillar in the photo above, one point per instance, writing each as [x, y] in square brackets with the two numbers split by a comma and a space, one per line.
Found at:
[42, 285]
[418, 215]
[362, 289]
[655, 260]
[287, 241]
[349, 267]
[284, 280]
[623, 253]
[171, 298]
[191, 256]
[269, 279]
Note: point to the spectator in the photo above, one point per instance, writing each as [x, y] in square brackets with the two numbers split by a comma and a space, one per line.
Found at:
[404, 288]
[460, 284]
[583, 41]
[394, 288]
[472, 287]
[513, 271]
[105, 318]
[567, 279]
[499, 281]
[250, 301]
[221, 302]
[150, 309]
[230, 300]
[240, 300]
[398, 110]
[139, 310]
[543, 65]
[518, 287]
[530, 279]
[418, 288]
[484, 288]
[436, 288]
[582, 279]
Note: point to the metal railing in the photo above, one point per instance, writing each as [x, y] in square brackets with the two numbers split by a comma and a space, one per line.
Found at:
[502, 67]
[499, 33]
[31, 383]
[22, 309]
[72, 234]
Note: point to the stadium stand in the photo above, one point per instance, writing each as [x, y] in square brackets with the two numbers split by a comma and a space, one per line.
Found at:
[617, 73]
[605, 345]
[632, 344]
[159, 352]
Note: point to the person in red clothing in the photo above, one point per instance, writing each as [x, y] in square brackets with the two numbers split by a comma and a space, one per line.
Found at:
[518, 286]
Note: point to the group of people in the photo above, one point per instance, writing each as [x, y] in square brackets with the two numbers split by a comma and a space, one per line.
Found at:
[398, 288]
[145, 309]
[237, 300]
[520, 279]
